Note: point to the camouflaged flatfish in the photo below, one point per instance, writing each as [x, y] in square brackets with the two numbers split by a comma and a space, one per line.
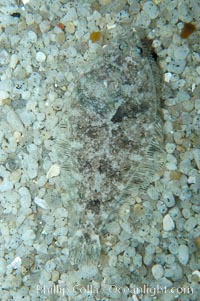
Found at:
[113, 133]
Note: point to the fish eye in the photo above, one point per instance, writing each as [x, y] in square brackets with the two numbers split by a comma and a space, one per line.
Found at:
[140, 50]
[123, 46]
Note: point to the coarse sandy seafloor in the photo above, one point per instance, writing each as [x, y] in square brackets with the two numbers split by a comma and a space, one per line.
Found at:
[150, 249]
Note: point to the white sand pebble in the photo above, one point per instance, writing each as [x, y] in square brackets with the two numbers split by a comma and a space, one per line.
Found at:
[70, 27]
[41, 203]
[170, 147]
[16, 263]
[28, 236]
[17, 136]
[167, 77]
[183, 254]
[157, 271]
[181, 52]
[14, 121]
[13, 61]
[32, 167]
[151, 9]
[6, 185]
[54, 171]
[168, 223]
[25, 197]
[196, 153]
[196, 276]
[40, 56]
